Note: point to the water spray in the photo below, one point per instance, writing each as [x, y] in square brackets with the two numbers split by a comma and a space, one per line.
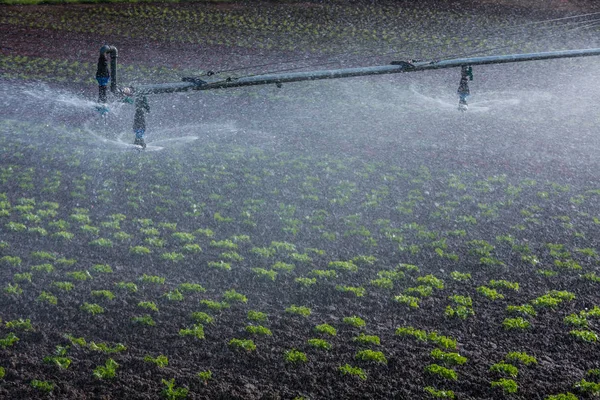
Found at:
[208, 82]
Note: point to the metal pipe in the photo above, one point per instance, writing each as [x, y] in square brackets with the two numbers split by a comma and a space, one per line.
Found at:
[395, 67]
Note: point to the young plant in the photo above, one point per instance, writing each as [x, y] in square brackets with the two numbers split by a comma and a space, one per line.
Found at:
[491, 294]
[439, 394]
[205, 376]
[160, 361]
[442, 372]
[523, 358]
[257, 316]
[508, 386]
[42, 386]
[231, 296]
[106, 371]
[196, 331]
[92, 308]
[144, 320]
[294, 356]
[448, 358]
[505, 369]
[371, 355]
[585, 335]
[418, 334]
[191, 287]
[258, 330]
[202, 318]
[319, 344]
[367, 339]
[9, 340]
[354, 371]
[48, 298]
[411, 301]
[243, 344]
[172, 392]
[354, 321]
[300, 310]
[517, 323]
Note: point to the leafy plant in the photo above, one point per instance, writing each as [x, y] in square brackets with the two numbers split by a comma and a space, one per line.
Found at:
[172, 392]
[326, 329]
[48, 298]
[9, 340]
[106, 371]
[196, 331]
[411, 301]
[300, 310]
[21, 324]
[448, 358]
[489, 293]
[367, 339]
[295, 356]
[319, 344]
[258, 330]
[439, 394]
[42, 386]
[508, 386]
[347, 369]
[92, 308]
[243, 344]
[205, 376]
[585, 335]
[371, 355]
[257, 316]
[517, 323]
[354, 321]
[442, 372]
[505, 369]
[103, 293]
[161, 361]
[144, 320]
[521, 357]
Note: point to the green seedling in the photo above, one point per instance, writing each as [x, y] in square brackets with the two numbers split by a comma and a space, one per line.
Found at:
[585, 335]
[367, 339]
[294, 356]
[319, 344]
[258, 330]
[172, 392]
[418, 334]
[231, 296]
[525, 309]
[9, 340]
[257, 316]
[196, 331]
[15, 289]
[129, 286]
[508, 386]
[371, 355]
[491, 294]
[20, 324]
[42, 386]
[523, 358]
[150, 305]
[48, 298]
[354, 321]
[505, 369]
[442, 372]
[205, 376]
[160, 361]
[106, 371]
[174, 295]
[107, 294]
[191, 287]
[92, 308]
[354, 371]
[411, 301]
[214, 305]
[202, 318]
[459, 276]
[157, 280]
[448, 358]
[439, 394]
[300, 310]
[144, 320]
[243, 344]
[518, 323]
[326, 329]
